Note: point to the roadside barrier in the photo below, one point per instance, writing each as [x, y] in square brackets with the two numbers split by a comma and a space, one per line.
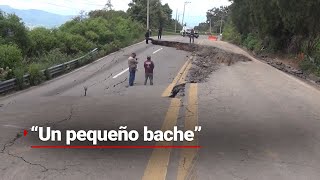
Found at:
[51, 72]
[213, 38]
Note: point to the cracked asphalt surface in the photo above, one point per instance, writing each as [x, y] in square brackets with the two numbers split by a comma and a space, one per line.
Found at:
[257, 122]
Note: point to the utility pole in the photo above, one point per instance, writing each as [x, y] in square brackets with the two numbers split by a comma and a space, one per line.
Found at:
[148, 9]
[175, 26]
[184, 8]
[179, 19]
[221, 24]
[210, 26]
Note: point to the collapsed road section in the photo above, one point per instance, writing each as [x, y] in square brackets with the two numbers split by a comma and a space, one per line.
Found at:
[206, 59]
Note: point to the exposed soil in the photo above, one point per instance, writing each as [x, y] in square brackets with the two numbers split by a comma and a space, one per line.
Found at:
[290, 66]
[206, 59]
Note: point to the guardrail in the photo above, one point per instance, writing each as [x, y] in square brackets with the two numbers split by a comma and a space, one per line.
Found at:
[51, 72]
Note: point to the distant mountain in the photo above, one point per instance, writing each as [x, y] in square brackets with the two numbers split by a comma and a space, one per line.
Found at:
[34, 18]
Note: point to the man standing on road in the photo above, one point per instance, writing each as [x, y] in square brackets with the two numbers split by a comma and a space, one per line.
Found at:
[192, 35]
[147, 36]
[132, 62]
[148, 66]
[160, 33]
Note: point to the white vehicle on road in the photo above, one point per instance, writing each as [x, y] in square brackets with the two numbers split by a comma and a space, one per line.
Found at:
[186, 31]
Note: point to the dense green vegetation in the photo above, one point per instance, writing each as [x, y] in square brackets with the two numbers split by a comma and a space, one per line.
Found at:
[276, 26]
[218, 17]
[39, 48]
[160, 15]
[29, 51]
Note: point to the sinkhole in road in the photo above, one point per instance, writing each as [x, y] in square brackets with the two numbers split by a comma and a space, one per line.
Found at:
[206, 59]
[179, 88]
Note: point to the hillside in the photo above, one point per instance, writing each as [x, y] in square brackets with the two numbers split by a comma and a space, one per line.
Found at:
[34, 17]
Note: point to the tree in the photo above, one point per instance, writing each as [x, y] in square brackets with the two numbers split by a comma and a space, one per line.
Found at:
[301, 18]
[108, 30]
[203, 27]
[160, 15]
[13, 31]
[107, 14]
[108, 6]
[42, 40]
[288, 24]
[216, 15]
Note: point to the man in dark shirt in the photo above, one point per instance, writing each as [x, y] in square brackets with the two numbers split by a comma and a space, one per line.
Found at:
[192, 36]
[160, 33]
[148, 66]
[147, 36]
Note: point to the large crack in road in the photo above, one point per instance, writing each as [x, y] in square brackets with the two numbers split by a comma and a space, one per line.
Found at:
[11, 143]
[206, 59]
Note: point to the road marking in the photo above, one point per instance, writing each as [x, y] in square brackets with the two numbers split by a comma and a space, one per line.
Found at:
[120, 73]
[159, 160]
[14, 126]
[184, 74]
[189, 156]
[167, 92]
[157, 50]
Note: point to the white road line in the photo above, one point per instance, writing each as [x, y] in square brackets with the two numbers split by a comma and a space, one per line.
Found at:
[14, 126]
[120, 73]
[157, 50]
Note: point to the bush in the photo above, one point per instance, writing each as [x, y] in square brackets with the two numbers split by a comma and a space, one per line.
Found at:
[106, 50]
[10, 56]
[253, 43]
[231, 34]
[317, 54]
[306, 66]
[296, 44]
[270, 44]
[47, 74]
[18, 74]
[4, 72]
[311, 65]
[51, 58]
[36, 76]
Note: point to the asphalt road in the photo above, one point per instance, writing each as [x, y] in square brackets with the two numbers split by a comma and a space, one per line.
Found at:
[257, 122]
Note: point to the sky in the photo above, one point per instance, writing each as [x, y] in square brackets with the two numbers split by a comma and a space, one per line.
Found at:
[195, 11]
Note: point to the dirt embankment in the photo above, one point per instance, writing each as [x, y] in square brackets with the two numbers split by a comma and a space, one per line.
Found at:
[290, 66]
[206, 59]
